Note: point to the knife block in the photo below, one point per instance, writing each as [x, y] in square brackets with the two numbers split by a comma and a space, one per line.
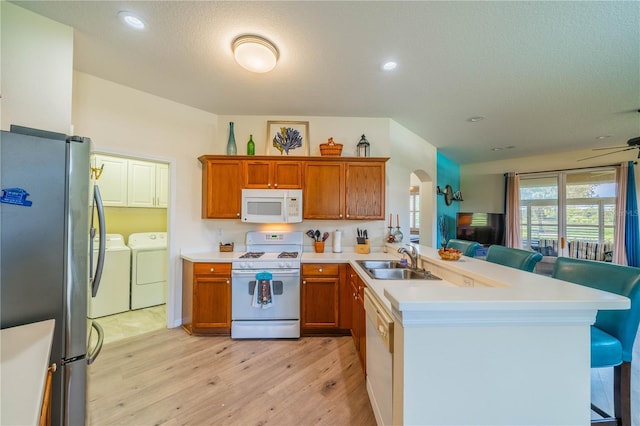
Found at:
[363, 248]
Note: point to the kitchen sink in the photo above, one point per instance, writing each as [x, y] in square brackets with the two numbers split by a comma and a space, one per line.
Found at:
[401, 274]
[394, 270]
[381, 264]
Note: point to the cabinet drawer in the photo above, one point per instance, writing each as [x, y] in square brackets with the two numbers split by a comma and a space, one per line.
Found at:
[320, 269]
[212, 268]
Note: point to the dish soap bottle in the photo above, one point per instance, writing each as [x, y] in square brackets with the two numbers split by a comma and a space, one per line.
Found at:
[231, 143]
[251, 146]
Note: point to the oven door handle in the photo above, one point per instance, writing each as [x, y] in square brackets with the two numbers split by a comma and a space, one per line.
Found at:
[274, 272]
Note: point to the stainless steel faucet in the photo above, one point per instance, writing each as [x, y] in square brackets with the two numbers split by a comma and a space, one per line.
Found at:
[413, 255]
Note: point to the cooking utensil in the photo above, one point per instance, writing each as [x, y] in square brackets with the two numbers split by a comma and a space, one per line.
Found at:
[325, 236]
[311, 234]
[317, 234]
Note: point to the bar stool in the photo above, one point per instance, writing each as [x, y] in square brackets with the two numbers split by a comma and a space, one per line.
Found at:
[613, 333]
[468, 248]
[524, 260]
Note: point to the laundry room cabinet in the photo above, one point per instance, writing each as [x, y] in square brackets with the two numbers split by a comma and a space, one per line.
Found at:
[206, 298]
[132, 183]
[147, 184]
[112, 180]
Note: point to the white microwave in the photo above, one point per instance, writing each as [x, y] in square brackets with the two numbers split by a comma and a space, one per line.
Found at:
[271, 205]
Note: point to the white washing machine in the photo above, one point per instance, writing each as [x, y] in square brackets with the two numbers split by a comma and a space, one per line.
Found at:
[148, 269]
[113, 293]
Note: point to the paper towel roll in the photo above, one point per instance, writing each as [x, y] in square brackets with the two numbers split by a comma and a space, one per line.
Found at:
[337, 241]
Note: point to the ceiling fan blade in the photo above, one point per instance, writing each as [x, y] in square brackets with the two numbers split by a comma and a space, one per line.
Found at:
[607, 153]
[611, 147]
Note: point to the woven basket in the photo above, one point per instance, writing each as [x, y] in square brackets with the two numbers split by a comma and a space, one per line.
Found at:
[226, 248]
[330, 148]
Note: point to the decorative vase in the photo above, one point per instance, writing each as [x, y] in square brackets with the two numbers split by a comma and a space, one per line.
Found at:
[231, 143]
[251, 146]
[398, 236]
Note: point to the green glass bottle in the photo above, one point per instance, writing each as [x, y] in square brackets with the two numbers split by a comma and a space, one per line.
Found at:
[251, 147]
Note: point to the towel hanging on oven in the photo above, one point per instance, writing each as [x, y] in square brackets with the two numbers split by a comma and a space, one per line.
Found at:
[263, 294]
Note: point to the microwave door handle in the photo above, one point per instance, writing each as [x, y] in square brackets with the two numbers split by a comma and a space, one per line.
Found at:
[285, 207]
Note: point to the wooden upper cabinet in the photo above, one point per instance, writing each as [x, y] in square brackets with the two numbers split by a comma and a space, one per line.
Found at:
[221, 188]
[323, 196]
[365, 190]
[272, 174]
[333, 188]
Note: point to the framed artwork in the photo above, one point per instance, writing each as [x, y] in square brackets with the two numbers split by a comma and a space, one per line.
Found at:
[287, 138]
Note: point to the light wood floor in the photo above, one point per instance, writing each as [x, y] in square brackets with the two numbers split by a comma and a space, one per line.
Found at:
[124, 389]
[167, 377]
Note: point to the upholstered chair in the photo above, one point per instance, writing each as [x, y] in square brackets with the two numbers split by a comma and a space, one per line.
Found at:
[614, 332]
[468, 248]
[515, 258]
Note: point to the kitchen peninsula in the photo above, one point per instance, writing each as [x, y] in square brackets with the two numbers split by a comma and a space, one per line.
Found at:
[486, 345]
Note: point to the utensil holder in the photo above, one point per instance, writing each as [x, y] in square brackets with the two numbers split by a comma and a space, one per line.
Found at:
[318, 246]
[363, 248]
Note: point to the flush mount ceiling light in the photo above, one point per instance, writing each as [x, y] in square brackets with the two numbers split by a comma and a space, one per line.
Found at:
[255, 53]
[131, 19]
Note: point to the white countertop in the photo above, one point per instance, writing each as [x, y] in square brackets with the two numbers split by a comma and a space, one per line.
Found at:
[24, 359]
[504, 289]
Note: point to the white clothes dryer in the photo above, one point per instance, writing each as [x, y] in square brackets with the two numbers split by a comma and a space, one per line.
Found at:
[148, 269]
[113, 293]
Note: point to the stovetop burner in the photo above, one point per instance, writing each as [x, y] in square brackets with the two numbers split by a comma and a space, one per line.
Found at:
[252, 255]
[288, 255]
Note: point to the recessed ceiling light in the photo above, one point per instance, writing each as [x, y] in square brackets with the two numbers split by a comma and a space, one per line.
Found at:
[603, 137]
[475, 119]
[388, 66]
[255, 53]
[131, 19]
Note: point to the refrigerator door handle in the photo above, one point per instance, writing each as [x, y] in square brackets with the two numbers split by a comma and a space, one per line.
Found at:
[91, 356]
[95, 283]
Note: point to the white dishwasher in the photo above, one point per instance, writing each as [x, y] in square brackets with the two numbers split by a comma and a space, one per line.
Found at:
[379, 359]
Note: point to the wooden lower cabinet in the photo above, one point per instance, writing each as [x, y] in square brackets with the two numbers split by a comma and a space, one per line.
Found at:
[322, 299]
[206, 298]
[358, 324]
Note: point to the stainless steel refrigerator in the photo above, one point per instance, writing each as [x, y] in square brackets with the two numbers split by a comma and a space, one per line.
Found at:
[46, 221]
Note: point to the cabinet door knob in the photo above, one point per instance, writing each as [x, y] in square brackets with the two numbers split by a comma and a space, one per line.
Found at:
[228, 282]
[340, 215]
[347, 216]
[268, 185]
[319, 269]
[211, 269]
[237, 214]
[304, 281]
[275, 185]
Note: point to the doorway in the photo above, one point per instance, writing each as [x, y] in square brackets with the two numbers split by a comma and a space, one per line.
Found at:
[135, 192]
[422, 207]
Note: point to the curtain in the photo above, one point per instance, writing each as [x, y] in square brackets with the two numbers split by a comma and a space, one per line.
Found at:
[619, 252]
[512, 210]
[632, 229]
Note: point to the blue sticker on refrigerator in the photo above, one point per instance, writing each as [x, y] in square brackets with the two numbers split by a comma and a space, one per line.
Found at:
[17, 196]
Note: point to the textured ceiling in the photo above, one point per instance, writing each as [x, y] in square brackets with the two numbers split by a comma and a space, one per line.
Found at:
[548, 76]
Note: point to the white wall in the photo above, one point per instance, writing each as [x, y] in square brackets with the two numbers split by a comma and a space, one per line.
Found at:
[36, 70]
[124, 121]
[410, 153]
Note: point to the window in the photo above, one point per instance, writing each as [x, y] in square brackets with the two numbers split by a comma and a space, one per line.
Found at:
[414, 210]
[577, 205]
